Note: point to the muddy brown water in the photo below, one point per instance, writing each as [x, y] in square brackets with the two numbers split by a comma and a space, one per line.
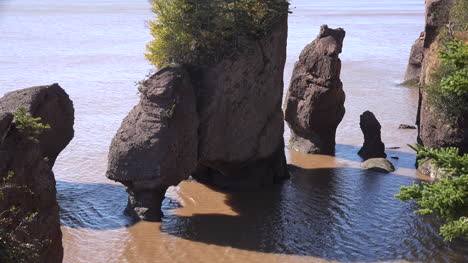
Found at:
[330, 210]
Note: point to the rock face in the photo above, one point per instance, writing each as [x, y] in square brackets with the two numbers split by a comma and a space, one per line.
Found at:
[378, 165]
[222, 123]
[156, 146]
[315, 99]
[433, 130]
[373, 146]
[32, 162]
[413, 70]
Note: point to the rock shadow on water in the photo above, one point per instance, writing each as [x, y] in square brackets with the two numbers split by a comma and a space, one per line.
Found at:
[342, 214]
[93, 205]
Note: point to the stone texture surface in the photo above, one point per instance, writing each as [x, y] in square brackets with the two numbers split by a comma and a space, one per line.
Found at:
[413, 70]
[373, 146]
[156, 145]
[226, 126]
[55, 108]
[32, 162]
[434, 130]
[378, 165]
[315, 100]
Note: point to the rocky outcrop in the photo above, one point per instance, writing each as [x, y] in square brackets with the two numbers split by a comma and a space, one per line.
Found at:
[413, 70]
[437, 17]
[222, 123]
[315, 99]
[420, 65]
[373, 146]
[32, 187]
[378, 165]
[157, 144]
[434, 130]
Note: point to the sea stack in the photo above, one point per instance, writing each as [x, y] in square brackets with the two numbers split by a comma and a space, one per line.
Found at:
[221, 123]
[29, 161]
[373, 146]
[315, 98]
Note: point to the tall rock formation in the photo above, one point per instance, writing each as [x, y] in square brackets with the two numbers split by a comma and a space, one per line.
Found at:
[413, 70]
[223, 123]
[435, 130]
[373, 146]
[32, 187]
[315, 99]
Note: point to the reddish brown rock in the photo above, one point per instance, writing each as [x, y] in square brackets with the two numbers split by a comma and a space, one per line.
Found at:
[33, 183]
[413, 70]
[315, 99]
[156, 145]
[225, 126]
[435, 130]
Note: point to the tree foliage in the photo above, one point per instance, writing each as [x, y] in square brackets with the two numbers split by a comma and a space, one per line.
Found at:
[205, 31]
[16, 243]
[29, 126]
[448, 92]
[447, 198]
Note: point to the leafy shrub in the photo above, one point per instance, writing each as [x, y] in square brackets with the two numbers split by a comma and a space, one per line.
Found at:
[449, 92]
[29, 126]
[459, 15]
[455, 53]
[205, 31]
[447, 198]
[15, 226]
[456, 83]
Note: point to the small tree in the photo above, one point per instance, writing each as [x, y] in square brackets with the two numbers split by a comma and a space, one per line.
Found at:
[28, 126]
[447, 198]
[205, 31]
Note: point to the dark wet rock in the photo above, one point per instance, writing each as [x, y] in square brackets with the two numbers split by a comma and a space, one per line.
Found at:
[315, 99]
[395, 157]
[406, 126]
[156, 145]
[393, 147]
[373, 146]
[32, 162]
[222, 124]
[378, 165]
[413, 70]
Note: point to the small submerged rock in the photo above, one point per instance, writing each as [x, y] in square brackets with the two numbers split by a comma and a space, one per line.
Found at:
[378, 165]
[407, 126]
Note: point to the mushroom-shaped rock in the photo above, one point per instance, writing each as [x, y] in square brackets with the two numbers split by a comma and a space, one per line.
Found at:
[378, 165]
[373, 146]
[315, 99]
[222, 123]
[156, 145]
[32, 188]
